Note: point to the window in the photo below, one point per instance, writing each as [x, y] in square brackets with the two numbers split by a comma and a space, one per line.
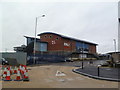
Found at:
[45, 36]
[50, 36]
[57, 38]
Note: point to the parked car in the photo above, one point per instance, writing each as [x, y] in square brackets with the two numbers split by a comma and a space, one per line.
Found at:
[4, 62]
[68, 60]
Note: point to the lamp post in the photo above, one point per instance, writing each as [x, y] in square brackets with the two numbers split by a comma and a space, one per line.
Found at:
[82, 54]
[115, 52]
[114, 44]
[35, 34]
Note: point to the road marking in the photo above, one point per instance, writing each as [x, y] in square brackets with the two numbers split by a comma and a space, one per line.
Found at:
[79, 78]
[70, 79]
[58, 73]
[61, 80]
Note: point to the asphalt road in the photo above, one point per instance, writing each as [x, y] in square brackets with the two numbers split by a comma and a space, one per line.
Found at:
[46, 77]
[103, 72]
[91, 69]
[75, 63]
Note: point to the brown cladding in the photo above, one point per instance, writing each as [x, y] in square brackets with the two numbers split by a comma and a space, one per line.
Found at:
[58, 43]
[92, 49]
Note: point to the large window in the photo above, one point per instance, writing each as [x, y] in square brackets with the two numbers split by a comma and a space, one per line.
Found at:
[82, 47]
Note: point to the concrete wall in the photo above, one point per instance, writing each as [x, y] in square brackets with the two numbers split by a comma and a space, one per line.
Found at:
[19, 56]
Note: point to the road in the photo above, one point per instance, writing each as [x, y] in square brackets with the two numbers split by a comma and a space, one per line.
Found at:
[44, 76]
[76, 63]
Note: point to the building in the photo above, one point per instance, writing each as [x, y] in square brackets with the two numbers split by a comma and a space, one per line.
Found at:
[40, 46]
[115, 56]
[63, 44]
[57, 42]
[53, 47]
[21, 48]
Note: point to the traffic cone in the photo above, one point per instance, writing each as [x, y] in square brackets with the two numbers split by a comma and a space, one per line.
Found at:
[0, 67]
[9, 68]
[25, 77]
[22, 72]
[5, 70]
[20, 67]
[3, 76]
[15, 70]
[18, 78]
[25, 67]
[11, 71]
[8, 76]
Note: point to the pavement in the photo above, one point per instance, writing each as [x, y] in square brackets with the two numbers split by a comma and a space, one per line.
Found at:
[110, 74]
[91, 70]
[46, 77]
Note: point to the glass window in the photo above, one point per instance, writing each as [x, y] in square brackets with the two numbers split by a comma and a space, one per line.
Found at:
[45, 36]
[57, 38]
[50, 36]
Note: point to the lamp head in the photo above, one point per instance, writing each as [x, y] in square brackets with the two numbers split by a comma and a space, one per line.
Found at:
[43, 15]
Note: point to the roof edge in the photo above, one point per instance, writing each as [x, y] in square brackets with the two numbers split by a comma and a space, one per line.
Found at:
[66, 37]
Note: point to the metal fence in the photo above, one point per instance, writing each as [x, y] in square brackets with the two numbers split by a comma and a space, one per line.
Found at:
[44, 58]
[12, 57]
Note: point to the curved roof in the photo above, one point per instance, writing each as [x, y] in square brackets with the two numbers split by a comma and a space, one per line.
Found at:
[66, 37]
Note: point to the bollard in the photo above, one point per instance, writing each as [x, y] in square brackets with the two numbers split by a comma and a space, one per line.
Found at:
[82, 64]
[98, 70]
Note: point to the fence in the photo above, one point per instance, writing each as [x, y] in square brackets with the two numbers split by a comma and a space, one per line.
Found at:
[44, 58]
[15, 57]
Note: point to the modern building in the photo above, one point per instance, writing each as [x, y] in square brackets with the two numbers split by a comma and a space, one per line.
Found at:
[53, 43]
[55, 47]
[115, 56]
[21, 48]
[40, 46]
[57, 42]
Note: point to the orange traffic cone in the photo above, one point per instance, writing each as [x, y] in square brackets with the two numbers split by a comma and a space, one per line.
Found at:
[25, 67]
[0, 67]
[25, 77]
[18, 78]
[15, 70]
[5, 71]
[3, 76]
[9, 68]
[8, 76]
[20, 68]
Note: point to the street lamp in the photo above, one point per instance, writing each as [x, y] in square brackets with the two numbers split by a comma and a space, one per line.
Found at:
[35, 33]
[115, 52]
[114, 44]
[82, 53]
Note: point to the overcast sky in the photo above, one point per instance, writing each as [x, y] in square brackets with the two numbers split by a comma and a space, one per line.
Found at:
[91, 21]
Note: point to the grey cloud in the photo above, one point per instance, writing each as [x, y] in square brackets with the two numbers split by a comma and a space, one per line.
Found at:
[96, 22]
